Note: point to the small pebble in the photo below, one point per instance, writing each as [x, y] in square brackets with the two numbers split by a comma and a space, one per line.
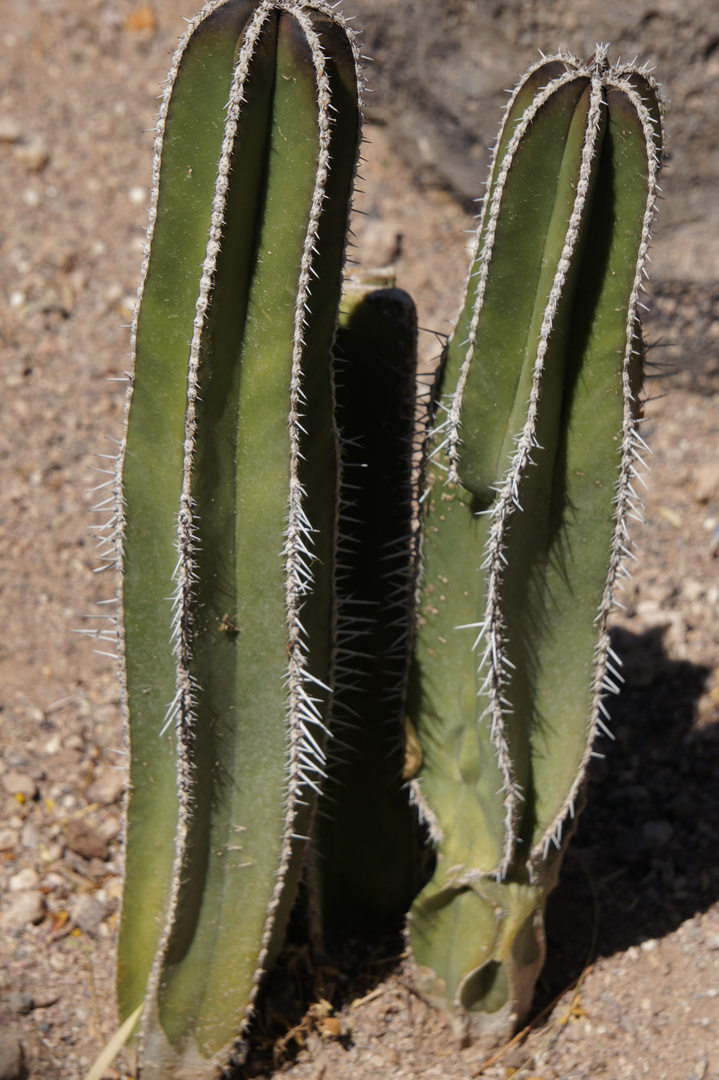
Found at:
[27, 907]
[88, 913]
[8, 839]
[24, 879]
[53, 744]
[706, 483]
[11, 1057]
[111, 826]
[10, 130]
[379, 243]
[30, 836]
[21, 1003]
[34, 155]
[107, 786]
[17, 783]
[658, 833]
[84, 839]
[50, 853]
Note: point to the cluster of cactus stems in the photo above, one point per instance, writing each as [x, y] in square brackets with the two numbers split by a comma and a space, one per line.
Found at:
[332, 647]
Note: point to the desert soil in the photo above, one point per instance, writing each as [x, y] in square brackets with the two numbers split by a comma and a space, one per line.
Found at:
[637, 913]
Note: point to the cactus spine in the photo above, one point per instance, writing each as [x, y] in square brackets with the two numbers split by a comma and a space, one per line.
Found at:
[531, 484]
[229, 489]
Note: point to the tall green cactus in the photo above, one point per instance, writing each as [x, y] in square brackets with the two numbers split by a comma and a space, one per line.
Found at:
[365, 827]
[228, 500]
[267, 597]
[530, 488]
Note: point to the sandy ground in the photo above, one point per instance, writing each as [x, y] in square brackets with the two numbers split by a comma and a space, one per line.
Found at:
[639, 898]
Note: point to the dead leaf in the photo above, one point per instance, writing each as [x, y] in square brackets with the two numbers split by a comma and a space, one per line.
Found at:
[142, 18]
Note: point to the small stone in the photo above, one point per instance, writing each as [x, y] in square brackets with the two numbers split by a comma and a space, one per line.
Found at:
[74, 742]
[379, 243]
[30, 836]
[8, 839]
[111, 826]
[27, 907]
[53, 744]
[34, 155]
[17, 783]
[706, 484]
[107, 786]
[50, 853]
[84, 839]
[658, 833]
[44, 999]
[88, 913]
[11, 1057]
[10, 130]
[24, 879]
[21, 1003]
[95, 868]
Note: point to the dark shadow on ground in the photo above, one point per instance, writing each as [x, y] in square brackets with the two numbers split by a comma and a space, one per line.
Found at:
[642, 860]
[647, 839]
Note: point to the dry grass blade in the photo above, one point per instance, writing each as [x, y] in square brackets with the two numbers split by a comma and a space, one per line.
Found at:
[114, 1046]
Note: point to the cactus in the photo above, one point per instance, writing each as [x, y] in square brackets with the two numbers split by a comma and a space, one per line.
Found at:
[227, 502]
[531, 484]
[365, 829]
[268, 532]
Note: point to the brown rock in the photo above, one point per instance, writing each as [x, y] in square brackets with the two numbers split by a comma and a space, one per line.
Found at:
[706, 484]
[88, 913]
[84, 839]
[107, 785]
[26, 907]
[17, 783]
[8, 839]
[11, 1057]
[34, 154]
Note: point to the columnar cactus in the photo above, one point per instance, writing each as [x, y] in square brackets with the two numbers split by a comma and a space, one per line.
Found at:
[228, 500]
[364, 845]
[531, 485]
[268, 532]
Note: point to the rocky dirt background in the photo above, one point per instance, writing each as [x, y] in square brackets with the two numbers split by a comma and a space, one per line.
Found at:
[639, 898]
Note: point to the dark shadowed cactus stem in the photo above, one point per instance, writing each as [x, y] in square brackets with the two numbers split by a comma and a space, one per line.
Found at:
[531, 486]
[229, 491]
[365, 824]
